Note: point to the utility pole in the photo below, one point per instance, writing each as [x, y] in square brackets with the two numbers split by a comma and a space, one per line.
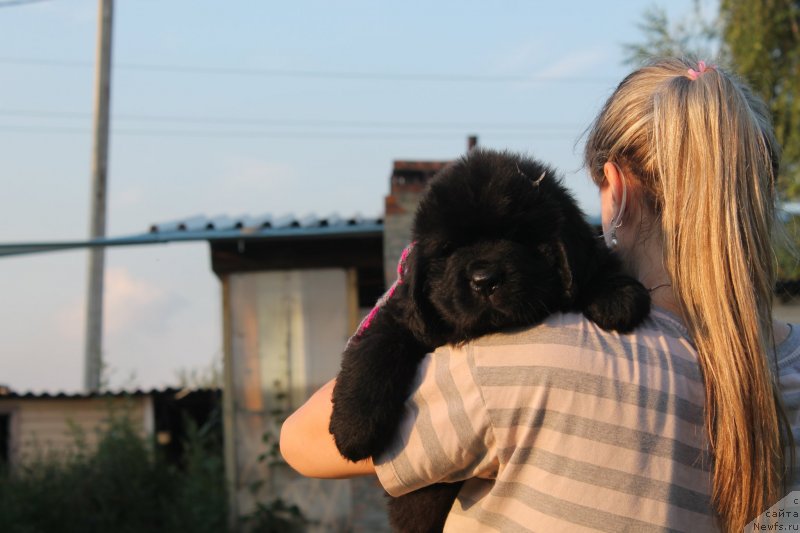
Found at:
[93, 359]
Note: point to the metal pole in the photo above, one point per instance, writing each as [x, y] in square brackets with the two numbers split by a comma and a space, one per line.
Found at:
[97, 224]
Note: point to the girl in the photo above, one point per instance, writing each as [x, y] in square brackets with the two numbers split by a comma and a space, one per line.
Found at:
[677, 426]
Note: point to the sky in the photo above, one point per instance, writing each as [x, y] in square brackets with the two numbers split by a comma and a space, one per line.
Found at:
[255, 107]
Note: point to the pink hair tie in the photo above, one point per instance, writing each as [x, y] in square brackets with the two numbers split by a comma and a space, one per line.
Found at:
[701, 68]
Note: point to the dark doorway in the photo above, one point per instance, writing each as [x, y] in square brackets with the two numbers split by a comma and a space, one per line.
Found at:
[5, 437]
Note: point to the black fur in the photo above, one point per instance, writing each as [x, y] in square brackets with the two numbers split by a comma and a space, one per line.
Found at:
[499, 244]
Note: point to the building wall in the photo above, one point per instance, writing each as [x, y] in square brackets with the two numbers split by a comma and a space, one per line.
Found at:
[57, 425]
[284, 333]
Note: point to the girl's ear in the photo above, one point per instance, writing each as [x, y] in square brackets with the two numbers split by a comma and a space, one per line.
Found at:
[615, 180]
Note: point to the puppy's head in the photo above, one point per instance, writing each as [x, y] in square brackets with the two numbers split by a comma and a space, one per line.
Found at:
[490, 249]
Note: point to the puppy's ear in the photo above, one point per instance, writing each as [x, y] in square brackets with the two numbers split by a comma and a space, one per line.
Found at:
[414, 281]
[560, 260]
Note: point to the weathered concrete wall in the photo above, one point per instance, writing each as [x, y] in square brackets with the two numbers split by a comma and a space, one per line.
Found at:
[284, 333]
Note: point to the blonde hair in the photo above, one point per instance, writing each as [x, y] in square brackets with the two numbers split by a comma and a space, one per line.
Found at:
[701, 151]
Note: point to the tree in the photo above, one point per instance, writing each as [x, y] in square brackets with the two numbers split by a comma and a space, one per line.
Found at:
[762, 38]
[759, 40]
[692, 36]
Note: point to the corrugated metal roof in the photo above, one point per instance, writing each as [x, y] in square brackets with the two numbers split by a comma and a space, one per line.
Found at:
[263, 225]
[219, 228]
[5, 392]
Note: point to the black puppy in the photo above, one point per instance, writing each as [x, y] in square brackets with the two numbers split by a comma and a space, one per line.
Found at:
[499, 243]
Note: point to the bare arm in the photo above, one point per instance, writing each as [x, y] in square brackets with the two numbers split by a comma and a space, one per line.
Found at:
[309, 448]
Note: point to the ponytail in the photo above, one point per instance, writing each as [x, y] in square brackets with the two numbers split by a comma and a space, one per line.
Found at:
[701, 145]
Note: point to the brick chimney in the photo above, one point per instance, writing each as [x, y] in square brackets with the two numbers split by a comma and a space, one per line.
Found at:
[408, 181]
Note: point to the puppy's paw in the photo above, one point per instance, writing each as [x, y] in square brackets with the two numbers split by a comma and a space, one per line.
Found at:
[360, 431]
[372, 386]
[369, 398]
[620, 304]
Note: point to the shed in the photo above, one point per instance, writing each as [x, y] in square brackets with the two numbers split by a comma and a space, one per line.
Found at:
[33, 424]
[293, 290]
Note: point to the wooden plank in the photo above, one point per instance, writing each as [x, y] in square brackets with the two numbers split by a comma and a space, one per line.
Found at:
[228, 406]
[326, 326]
[248, 403]
[277, 314]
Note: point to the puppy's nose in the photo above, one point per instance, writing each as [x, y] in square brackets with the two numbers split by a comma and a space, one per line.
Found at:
[485, 280]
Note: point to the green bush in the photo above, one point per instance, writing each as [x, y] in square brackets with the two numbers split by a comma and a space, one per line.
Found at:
[121, 487]
[200, 502]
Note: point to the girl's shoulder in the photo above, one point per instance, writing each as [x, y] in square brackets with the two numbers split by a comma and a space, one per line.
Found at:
[574, 329]
[571, 341]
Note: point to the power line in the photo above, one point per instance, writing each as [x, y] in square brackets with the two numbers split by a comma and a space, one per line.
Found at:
[288, 135]
[11, 3]
[333, 123]
[315, 74]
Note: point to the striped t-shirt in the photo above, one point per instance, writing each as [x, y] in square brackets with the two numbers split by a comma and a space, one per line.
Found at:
[566, 427]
